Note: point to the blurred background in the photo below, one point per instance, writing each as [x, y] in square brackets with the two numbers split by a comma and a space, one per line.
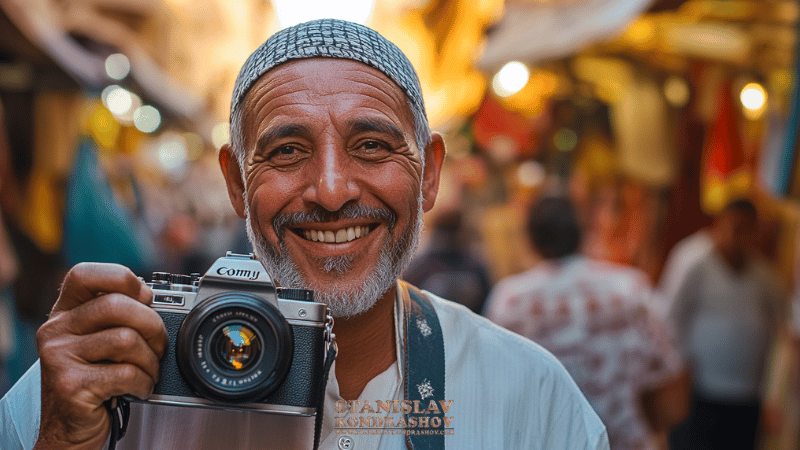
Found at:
[650, 114]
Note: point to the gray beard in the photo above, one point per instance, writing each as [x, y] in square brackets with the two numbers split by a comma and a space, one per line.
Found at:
[394, 258]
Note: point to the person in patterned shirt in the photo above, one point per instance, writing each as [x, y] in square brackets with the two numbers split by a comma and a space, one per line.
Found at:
[595, 318]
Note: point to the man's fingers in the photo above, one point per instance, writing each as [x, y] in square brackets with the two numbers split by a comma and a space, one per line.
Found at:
[102, 340]
[93, 384]
[119, 345]
[87, 280]
[109, 380]
[116, 310]
[83, 388]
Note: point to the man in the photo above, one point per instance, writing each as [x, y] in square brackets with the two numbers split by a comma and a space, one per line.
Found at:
[683, 256]
[332, 165]
[726, 315]
[594, 317]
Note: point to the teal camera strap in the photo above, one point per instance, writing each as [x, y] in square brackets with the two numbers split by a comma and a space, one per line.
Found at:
[424, 372]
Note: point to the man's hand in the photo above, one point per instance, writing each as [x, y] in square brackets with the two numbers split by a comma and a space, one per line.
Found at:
[102, 340]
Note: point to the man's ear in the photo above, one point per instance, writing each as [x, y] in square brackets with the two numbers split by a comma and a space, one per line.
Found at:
[233, 178]
[434, 158]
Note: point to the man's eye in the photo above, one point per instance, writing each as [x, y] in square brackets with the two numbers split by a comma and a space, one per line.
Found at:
[282, 151]
[285, 155]
[372, 146]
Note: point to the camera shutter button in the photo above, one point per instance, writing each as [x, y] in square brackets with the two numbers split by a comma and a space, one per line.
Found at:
[346, 443]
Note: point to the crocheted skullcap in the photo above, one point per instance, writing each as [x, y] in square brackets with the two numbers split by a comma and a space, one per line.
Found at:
[330, 38]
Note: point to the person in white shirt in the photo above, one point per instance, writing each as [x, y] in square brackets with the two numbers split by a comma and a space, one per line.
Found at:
[596, 319]
[683, 256]
[332, 165]
[726, 315]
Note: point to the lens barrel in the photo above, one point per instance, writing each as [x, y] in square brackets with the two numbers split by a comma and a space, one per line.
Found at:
[234, 347]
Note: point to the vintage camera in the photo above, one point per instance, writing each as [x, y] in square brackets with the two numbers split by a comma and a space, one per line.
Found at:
[238, 342]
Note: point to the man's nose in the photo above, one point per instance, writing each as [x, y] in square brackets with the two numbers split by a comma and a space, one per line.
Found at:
[333, 183]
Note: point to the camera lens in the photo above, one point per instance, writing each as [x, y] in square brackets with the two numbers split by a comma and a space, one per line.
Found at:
[234, 347]
[237, 347]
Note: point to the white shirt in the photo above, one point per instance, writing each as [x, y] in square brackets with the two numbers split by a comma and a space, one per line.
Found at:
[594, 316]
[686, 253]
[507, 392]
[725, 323]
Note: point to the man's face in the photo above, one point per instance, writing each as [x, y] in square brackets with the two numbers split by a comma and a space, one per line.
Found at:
[334, 186]
[736, 235]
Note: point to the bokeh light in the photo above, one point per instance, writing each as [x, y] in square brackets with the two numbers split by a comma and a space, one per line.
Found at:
[676, 91]
[118, 100]
[172, 154]
[146, 119]
[780, 81]
[510, 79]
[641, 34]
[127, 118]
[531, 174]
[754, 100]
[118, 66]
[565, 139]
[106, 91]
[220, 134]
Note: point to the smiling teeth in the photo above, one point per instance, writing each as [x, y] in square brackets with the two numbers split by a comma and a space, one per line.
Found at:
[343, 235]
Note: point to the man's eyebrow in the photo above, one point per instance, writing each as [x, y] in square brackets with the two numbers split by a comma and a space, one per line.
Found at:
[281, 131]
[365, 125]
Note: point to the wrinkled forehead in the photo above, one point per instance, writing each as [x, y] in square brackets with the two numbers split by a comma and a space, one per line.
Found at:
[353, 87]
[326, 76]
[330, 38]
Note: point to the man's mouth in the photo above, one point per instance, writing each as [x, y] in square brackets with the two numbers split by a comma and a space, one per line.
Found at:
[335, 236]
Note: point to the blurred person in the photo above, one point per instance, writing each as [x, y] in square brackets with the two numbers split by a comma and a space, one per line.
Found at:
[447, 268]
[595, 317]
[683, 256]
[726, 314]
[332, 164]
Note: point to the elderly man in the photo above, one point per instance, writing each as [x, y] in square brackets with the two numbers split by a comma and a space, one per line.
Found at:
[332, 164]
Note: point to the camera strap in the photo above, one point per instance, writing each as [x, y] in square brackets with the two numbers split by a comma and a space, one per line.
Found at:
[120, 411]
[424, 368]
[332, 349]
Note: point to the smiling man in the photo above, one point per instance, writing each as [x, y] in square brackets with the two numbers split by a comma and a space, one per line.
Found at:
[332, 164]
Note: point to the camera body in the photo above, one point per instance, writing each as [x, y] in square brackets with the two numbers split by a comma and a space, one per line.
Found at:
[236, 341]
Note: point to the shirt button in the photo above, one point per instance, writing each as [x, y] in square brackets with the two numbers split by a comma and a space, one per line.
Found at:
[346, 443]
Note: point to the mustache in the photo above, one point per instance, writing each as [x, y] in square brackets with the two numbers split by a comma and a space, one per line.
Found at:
[320, 215]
